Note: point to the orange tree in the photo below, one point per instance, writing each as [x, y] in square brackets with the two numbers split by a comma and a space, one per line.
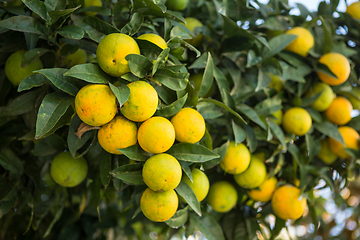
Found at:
[256, 97]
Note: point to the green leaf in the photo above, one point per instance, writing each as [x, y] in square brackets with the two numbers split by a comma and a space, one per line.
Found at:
[251, 114]
[37, 7]
[208, 77]
[179, 219]
[239, 133]
[56, 218]
[133, 25]
[191, 152]
[313, 146]
[32, 55]
[173, 108]
[121, 92]
[105, 168]
[186, 192]
[325, 69]
[65, 83]
[185, 167]
[252, 59]
[278, 132]
[277, 44]
[327, 34]
[250, 138]
[175, 81]
[56, 14]
[135, 152]
[88, 72]
[11, 162]
[208, 226]
[220, 104]
[200, 62]
[209, 110]
[330, 130]
[95, 25]
[73, 32]
[139, 65]
[129, 173]
[149, 49]
[263, 81]
[160, 61]
[23, 24]
[52, 108]
[279, 225]
[221, 151]
[224, 88]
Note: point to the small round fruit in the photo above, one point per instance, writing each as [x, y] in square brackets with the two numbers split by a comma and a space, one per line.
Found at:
[303, 43]
[118, 133]
[92, 3]
[278, 115]
[142, 102]
[192, 23]
[265, 191]
[177, 5]
[339, 112]
[253, 176]
[68, 171]
[200, 183]
[222, 196]
[297, 120]
[111, 53]
[351, 138]
[287, 202]
[155, 39]
[159, 207]
[156, 135]
[325, 99]
[354, 10]
[95, 104]
[325, 154]
[276, 82]
[355, 102]
[162, 172]
[236, 159]
[189, 125]
[13, 70]
[78, 57]
[338, 64]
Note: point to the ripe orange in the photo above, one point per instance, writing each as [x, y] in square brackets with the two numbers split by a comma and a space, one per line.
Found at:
[354, 10]
[236, 159]
[326, 97]
[155, 39]
[222, 196]
[338, 64]
[303, 43]
[325, 154]
[297, 120]
[339, 111]
[351, 138]
[265, 190]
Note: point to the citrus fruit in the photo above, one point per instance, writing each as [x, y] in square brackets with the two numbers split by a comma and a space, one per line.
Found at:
[297, 120]
[68, 171]
[95, 104]
[303, 43]
[265, 190]
[118, 133]
[276, 82]
[111, 53]
[177, 5]
[339, 111]
[253, 176]
[354, 10]
[156, 135]
[197, 79]
[278, 116]
[287, 202]
[351, 138]
[78, 57]
[355, 102]
[159, 207]
[222, 196]
[199, 184]
[92, 3]
[325, 99]
[189, 125]
[325, 154]
[162, 172]
[339, 66]
[142, 102]
[155, 39]
[236, 159]
[192, 23]
[13, 70]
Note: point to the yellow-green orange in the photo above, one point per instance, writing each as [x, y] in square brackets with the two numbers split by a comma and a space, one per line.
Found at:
[351, 138]
[222, 196]
[276, 82]
[111, 53]
[197, 79]
[159, 207]
[325, 99]
[162, 172]
[354, 10]
[78, 57]
[287, 202]
[265, 191]
[303, 43]
[339, 112]
[253, 176]
[192, 23]
[156, 135]
[68, 171]
[13, 70]
[92, 3]
[118, 133]
[142, 102]
[339, 66]
[199, 184]
[297, 120]
[177, 5]
[236, 159]
[155, 39]
[354, 98]
[278, 115]
[325, 154]
[189, 125]
[95, 104]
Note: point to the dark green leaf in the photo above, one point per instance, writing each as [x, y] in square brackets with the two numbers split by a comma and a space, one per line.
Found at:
[191, 152]
[175, 81]
[173, 108]
[73, 32]
[277, 44]
[278, 132]
[208, 77]
[149, 49]
[34, 80]
[220, 104]
[54, 220]
[139, 65]
[209, 110]
[250, 138]
[53, 106]
[251, 114]
[252, 59]
[135, 152]
[133, 25]
[160, 61]
[97, 27]
[105, 168]
[330, 130]
[189, 196]
[325, 69]
[88, 72]
[239, 133]
[263, 81]
[224, 88]
[185, 167]
[129, 173]
[179, 218]
[313, 146]
[208, 226]
[23, 24]
[32, 55]
[10, 161]
[56, 14]
[37, 7]
[121, 92]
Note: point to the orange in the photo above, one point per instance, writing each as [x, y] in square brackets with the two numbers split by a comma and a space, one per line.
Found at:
[155, 39]
[118, 133]
[325, 154]
[236, 159]
[354, 10]
[192, 23]
[303, 43]
[199, 184]
[326, 97]
[254, 175]
[297, 120]
[351, 138]
[265, 190]
[339, 111]
[338, 64]
[222, 196]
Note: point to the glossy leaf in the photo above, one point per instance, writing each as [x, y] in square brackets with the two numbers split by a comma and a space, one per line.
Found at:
[189, 196]
[23, 24]
[220, 104]
[160, 61]
[32, 55]
[224, 88]
[263, 81]
[278, 132]
[37, 7]
[105, 168]
[88, 72]
[252, 115]
[179, 219]
[191, 152]
[129, 173]
[73, 32]
[208, 77]
[277, 44]
[330, 130]
[56, 14]
[239, 133]
[121, 92]
[173, 108]
[208, 226]
[134, 25]
[135, 152]
[172, 80]
[139, 65]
